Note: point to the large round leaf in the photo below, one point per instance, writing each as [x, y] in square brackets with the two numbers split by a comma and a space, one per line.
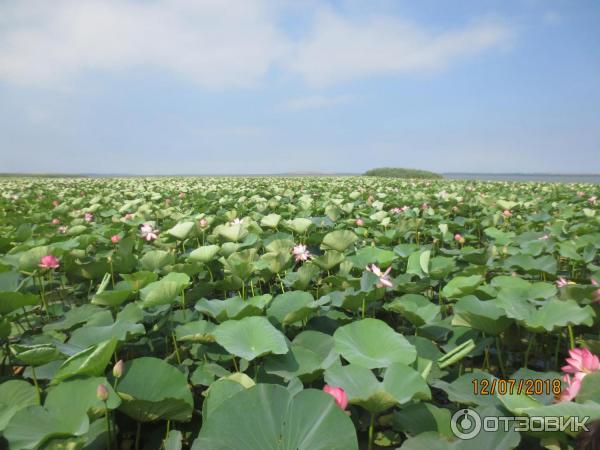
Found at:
[372, 343]
[152, 389]
[250, 338]
[268, 417]
[165, 290]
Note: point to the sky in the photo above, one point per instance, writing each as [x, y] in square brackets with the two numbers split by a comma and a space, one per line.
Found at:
[266, 86]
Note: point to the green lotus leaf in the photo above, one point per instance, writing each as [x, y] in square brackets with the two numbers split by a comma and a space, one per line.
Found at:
[181, 230]
[14, 396]
[270, 221]
[299, 225]
[164, 291]
[11, 301]
[35, 355]
[91, 361]
[400, 385]
[416, 308]
[480, 315]
[268, 417]
[198, 331]
[372, 343]
[250, 338]
[152, 390]
[155, 260]
[372, 255]
[338, 240]
[205, 253]
[461, 286]
[232, 232]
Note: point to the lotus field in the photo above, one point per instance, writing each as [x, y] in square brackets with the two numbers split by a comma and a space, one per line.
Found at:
[308, 313]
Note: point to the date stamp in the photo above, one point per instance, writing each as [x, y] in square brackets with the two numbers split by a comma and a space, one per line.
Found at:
[527, 386]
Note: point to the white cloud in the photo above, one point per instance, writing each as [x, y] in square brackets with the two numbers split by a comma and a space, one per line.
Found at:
[218, 43]
[317, 102]
[341, 49]
[215, 43]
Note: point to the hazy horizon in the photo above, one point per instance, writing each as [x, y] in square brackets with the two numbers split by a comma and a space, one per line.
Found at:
[265, 86]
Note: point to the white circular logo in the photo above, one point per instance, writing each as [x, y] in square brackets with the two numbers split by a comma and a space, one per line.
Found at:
[465, 424]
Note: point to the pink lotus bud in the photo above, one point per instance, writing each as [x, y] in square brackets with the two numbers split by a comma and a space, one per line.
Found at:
[115, 239]
[55, 203]
[360, 222]
[55, 221]
[102, 393]
[118, 369]
[49, 262]
[506, 213]
[62, 229]
[203, 223]
[88, 217]
[340, 396]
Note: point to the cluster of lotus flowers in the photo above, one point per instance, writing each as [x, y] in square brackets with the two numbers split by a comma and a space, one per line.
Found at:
[580, 363]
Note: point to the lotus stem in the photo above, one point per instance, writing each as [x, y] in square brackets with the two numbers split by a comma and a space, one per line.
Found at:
[176, 347]
[252, 288]
[37, 386]
[108, 433]
[571, 337]
[529, 346]
[371, 430]
[500, 362]
[137, 435]
[43, 295]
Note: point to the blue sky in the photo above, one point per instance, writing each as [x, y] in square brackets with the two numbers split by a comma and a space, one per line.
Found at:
[265, 86]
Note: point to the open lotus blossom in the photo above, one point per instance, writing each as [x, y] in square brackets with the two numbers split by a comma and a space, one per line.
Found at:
[581, 360]
[384, 279]
[573, 387]
[360, 222]
[236, 221]
[340, 396]
[592, 200]
[49, 262]
[544, 237]
[506, 213]
[148, 233]
[62, 229]
[300, 252]
[115, 239]
[580, 193]
[562, 282]
[55, 221]
[88, 217]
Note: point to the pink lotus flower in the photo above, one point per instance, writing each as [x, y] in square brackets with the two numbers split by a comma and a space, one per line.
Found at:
[62, 229]
[581, 360]
[360, 222]
[115, 239]
[88, 217]
[301, 253]
[102, 393]
[580, 193]
[55, 221]
[458, 238]
[340, 396]
[384, 279]
[128, 216]
[148, 233]
[49, 262]
[506, 213]
[562, 282]
[55, 203]
[203, 223]
[118, 369]
[455, 208]
[396, 211]
[573, 387]
[181, 195]
[596, 292]
[592, 200]
[424, 206]
[544, 237]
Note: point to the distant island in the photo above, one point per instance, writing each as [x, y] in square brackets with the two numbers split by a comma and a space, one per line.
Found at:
[400, 172]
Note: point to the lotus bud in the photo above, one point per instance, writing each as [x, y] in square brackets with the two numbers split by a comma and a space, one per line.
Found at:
[360, 222]
[118, 369]
[115, 239]
[102, 393]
